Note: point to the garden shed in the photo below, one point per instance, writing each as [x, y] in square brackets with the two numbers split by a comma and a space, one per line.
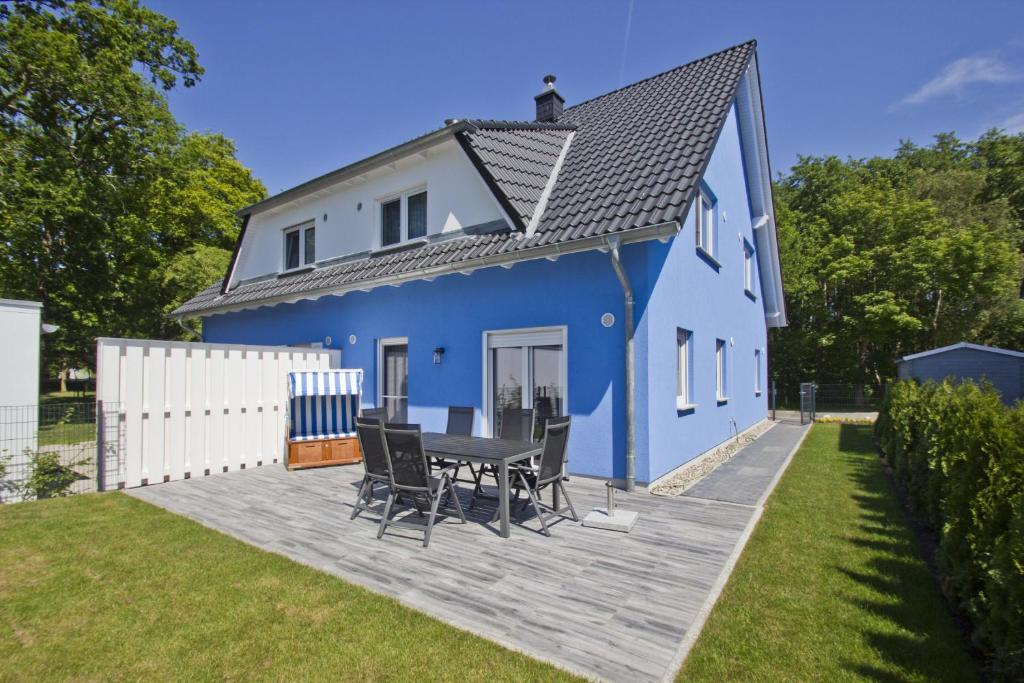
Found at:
[1004, 368]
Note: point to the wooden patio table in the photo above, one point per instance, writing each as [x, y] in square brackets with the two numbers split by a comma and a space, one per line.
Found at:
[483, 451]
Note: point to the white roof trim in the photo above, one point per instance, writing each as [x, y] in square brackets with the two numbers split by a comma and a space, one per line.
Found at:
[753, 140]
[542, 203]
[964, 345]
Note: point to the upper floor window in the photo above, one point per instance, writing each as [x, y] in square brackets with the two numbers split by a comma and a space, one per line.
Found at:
[403, 218]
[705, 211]
[299, 246]
[748, 268]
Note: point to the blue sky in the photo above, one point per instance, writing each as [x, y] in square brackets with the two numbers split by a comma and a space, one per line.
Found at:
[307, 87]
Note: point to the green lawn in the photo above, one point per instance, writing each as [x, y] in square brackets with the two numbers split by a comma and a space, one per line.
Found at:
[105, 587]
[831, 586]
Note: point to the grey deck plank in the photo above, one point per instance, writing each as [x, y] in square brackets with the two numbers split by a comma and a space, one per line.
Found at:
[608, 605]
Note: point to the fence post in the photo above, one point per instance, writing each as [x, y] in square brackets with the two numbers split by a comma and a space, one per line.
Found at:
[101, 470]
[775, 394]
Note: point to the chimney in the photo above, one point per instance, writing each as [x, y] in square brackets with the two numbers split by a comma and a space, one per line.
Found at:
[549, 102]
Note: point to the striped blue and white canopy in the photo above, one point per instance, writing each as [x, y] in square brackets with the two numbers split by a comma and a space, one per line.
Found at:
[324, 403]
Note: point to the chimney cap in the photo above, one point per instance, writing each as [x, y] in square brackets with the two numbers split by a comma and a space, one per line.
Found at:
[549, 80]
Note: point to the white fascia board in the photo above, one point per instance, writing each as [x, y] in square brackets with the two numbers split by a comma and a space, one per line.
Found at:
[753, 141]
[596, 242]
[964, 345]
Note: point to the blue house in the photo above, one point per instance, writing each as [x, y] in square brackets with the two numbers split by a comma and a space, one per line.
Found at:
[615, 261]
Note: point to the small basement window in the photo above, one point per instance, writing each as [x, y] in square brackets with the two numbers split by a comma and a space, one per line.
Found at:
[720, 370]
[757, 372]
[299, 246]
[403, 217]
[684, 370]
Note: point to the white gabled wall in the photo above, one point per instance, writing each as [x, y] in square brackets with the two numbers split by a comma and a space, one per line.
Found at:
[457, 198]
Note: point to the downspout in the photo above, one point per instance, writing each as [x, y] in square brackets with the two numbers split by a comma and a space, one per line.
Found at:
[627, 290]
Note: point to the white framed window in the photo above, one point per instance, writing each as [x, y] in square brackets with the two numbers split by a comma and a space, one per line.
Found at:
[748, 268]
[705, 223]
[299, 246]
[757, 372]
[720, 370]
[393, 378]
[403, 217]
[525, 368]
[684, 370]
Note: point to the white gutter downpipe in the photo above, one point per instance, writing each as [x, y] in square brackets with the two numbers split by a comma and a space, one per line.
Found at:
[627, 290]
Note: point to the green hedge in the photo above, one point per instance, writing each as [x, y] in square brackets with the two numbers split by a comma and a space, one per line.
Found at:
[959, 451]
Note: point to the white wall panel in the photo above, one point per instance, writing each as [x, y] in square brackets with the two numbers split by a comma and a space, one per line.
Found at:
[193, 409]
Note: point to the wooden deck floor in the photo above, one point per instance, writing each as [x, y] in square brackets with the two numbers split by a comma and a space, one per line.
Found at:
[600, 603]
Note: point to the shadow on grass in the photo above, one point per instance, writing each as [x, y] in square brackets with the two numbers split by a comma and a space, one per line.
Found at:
[899, 588]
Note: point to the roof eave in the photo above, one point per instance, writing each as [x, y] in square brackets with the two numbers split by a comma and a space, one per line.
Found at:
[550, 251]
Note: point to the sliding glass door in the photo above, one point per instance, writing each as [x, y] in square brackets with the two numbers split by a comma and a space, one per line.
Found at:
[393, 379]
[526, 369]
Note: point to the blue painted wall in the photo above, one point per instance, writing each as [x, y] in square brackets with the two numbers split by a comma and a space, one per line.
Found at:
[689, 292]
[453, 312]
[673, 287]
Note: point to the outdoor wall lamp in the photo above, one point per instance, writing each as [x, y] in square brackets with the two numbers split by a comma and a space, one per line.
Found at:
[438, 352]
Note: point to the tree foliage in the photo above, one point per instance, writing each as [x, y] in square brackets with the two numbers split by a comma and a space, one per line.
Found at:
[888, 256]
[110, 213]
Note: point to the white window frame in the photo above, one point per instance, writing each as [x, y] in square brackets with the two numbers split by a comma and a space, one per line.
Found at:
[684, 370]
[721, 370]
[301, 229]
[748, 268]
[704, 211]
[381, 343]
[403, 211]
[525, 337]
[758, 355]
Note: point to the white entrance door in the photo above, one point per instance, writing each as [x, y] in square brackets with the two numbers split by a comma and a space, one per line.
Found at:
[524, 369]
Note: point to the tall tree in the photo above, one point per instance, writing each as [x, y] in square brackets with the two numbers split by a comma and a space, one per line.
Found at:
[101, 191]
[887, 256]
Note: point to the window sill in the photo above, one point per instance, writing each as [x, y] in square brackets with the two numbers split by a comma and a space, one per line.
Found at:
[722, 400]
[682, 407]
[709, 258]
[399, 246]
[750, 295]
[297, 271]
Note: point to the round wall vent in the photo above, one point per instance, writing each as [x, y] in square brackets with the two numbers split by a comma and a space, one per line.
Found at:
[607, 319]
[328, 340]
[351, 339]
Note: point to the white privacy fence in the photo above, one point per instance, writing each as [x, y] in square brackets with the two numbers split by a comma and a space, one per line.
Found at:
[190, 409]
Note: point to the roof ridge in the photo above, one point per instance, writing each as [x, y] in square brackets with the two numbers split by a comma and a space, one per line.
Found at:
[752, 42]
[509, 124]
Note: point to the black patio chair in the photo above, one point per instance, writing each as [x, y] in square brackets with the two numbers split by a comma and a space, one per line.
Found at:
[379, 414]
[370, 433]
[410, 477]
[516, 424]
[549, 471]
[460, 423]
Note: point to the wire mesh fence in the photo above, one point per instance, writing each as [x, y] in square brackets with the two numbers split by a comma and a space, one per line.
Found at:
[848, 398]
[59, 448]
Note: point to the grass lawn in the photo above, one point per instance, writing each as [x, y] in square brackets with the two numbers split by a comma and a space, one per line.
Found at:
[831, 586]
[106, 587]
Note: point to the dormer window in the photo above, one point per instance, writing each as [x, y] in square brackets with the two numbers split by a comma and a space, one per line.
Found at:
[299, 246]
[403, 217]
